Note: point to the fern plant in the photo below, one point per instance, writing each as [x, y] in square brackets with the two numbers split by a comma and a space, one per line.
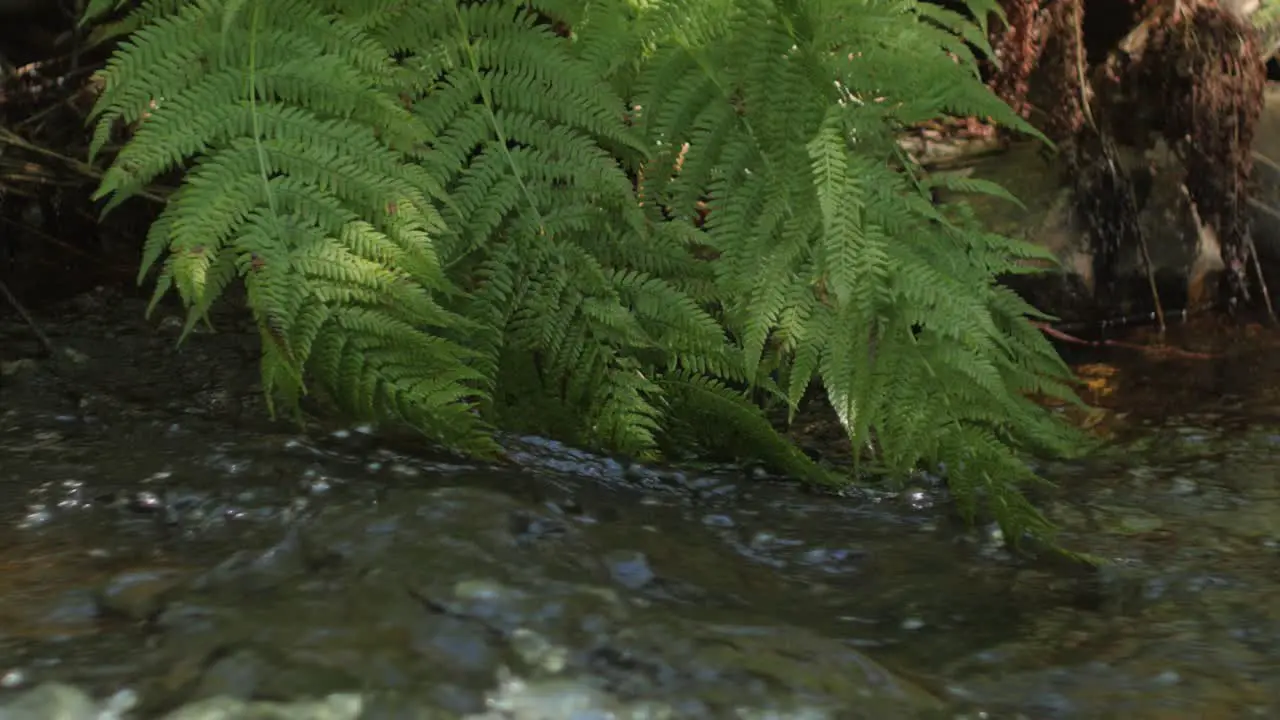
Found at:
[479, 215]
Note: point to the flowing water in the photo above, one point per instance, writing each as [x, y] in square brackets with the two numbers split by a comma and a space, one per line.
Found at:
[166, 552]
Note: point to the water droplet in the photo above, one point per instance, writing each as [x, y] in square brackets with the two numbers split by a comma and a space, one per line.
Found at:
[912, 624]
[13, 678]
[37, 516]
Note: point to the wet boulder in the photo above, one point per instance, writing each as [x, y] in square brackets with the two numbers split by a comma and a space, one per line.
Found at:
[453, 598]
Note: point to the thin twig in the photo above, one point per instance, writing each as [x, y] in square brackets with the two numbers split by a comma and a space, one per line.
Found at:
[1148, 266]
[1259, 157]
[11, 138]
[1264, 208]
[1161, 350]
[1151, 279]
[26, 317]
[1262, 281]
[1082, 78]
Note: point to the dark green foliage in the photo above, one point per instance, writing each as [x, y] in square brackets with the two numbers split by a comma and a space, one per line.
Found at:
[434, 209]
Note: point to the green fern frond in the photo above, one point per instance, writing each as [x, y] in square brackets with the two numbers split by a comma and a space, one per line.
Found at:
[620, 223]
[720, 417]
[828, 247]
[300, 182]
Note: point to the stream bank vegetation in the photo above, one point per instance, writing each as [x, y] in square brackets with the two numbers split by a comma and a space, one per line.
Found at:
[639, 227]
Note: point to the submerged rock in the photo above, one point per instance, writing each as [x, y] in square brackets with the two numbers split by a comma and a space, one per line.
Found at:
[441, 590]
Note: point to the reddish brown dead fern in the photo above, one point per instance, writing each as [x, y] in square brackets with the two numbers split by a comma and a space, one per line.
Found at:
[1202, 67]
[1018, 46]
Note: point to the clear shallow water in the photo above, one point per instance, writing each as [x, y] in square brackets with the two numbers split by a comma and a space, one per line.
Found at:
[156, 537]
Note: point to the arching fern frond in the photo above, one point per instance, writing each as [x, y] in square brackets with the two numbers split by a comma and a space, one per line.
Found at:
[299, 181]
[833, 264]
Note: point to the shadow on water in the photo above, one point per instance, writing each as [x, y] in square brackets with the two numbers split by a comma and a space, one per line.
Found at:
[157, 538]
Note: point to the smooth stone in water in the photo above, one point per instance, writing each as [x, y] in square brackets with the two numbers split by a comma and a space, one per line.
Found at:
[51, 701]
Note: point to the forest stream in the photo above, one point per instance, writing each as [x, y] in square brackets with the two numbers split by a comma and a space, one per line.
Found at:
[165, 551]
